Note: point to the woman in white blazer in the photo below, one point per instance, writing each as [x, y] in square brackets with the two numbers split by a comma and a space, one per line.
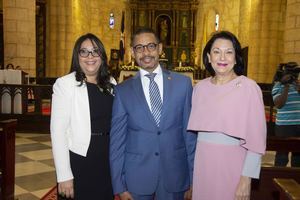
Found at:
[80, 123]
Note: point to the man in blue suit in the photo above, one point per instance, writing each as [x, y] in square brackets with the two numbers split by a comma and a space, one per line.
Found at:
[151, 153]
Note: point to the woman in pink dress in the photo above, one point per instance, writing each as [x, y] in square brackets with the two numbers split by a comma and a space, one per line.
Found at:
[228, 114]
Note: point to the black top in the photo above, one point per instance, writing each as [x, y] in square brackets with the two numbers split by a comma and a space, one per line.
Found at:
[100, 108]
[92, 178]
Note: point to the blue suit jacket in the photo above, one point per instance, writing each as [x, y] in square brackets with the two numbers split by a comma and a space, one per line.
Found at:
[141, 152]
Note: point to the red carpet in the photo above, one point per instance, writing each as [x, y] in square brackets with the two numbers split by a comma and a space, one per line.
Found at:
[52, 195]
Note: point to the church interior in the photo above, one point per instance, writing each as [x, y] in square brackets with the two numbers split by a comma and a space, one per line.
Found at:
[36, 42]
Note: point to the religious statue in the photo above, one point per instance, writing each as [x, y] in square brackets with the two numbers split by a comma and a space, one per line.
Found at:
[163, 30]
[163, 59]
[183, 56]
[184, 22]
[163, 54]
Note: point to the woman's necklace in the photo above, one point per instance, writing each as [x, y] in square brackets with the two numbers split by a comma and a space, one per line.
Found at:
[106, 91]
[95, 83]
[99, 88]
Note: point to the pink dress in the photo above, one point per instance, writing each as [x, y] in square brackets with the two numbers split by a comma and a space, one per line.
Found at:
[236, 109]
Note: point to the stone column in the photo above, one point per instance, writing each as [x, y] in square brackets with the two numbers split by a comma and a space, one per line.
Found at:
[292, 32]
[265, 43]
[244, 19]
[19, 34]
[60, 38]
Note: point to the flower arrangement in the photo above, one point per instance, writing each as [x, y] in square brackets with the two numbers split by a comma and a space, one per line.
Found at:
[184, 69]
[129, 68]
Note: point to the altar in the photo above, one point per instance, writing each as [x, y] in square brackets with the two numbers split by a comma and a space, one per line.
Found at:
[175, 26]
[11, 76]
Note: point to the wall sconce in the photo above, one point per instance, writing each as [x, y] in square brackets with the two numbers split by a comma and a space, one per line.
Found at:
[217, 22]
[111, 20]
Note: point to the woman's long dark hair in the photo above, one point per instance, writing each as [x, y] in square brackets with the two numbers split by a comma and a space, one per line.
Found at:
[103, 76]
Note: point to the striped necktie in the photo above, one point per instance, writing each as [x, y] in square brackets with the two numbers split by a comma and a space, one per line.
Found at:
[155, 100]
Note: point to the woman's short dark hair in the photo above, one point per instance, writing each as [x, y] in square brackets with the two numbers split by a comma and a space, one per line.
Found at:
[103, 77]
[144, 30]
[239, 66]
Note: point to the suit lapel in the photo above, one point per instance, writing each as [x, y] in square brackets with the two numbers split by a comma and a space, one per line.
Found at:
[166, 94]
[138, 89]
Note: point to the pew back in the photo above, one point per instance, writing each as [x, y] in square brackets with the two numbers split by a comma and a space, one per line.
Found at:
[289, 189]
[264, 188]
[7, 158]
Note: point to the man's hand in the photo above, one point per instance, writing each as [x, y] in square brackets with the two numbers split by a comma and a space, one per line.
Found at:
[298, 86]
[286, 79]
[125, 196]
[188, 194]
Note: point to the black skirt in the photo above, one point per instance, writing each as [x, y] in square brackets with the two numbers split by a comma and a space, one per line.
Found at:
[92, 173]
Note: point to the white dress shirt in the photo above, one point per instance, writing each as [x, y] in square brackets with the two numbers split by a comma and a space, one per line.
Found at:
[146, 81]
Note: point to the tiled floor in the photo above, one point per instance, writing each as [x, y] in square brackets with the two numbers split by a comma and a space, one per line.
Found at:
[35, 173]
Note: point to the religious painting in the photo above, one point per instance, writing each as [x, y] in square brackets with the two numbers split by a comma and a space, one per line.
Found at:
[163, 27]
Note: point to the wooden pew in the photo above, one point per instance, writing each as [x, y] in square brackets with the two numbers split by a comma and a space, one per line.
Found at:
[289, 189]
[290, 144]
[264, 188]
[7, 158]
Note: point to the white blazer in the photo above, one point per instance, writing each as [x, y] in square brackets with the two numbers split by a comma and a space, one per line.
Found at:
[70, 124]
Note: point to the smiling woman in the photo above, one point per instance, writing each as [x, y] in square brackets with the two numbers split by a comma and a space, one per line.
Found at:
[228, 114]
[80, 125]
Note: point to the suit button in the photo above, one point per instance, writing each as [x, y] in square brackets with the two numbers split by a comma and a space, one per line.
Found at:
[156, 153]
[158, 133]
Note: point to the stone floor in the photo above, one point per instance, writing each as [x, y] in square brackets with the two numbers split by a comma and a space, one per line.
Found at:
[35, 172]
